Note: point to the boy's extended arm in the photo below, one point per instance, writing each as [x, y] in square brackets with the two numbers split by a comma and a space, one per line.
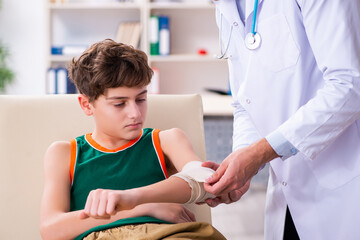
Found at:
[177, 148]
[58, 223]
[102, 203]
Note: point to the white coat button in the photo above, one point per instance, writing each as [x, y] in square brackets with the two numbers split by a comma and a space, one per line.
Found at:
[235, 24]
[284, 184]
[248, 101]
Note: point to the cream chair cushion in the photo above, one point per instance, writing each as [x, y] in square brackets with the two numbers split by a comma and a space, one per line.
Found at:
[29, 124]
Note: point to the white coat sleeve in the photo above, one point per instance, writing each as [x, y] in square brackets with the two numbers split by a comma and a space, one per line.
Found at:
[244, 132]
[332, 28]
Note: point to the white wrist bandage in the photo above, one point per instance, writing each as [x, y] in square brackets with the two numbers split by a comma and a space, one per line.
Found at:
[195, 175]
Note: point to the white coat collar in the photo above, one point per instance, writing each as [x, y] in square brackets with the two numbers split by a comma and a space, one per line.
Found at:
[229, 11]
[249, 9]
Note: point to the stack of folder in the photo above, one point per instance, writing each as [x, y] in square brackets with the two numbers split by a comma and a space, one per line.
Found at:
[58, 81]
[159, 33]
[129, 33]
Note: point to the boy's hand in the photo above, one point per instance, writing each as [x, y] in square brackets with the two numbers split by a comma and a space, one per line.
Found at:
[171, 212]
[103, 203]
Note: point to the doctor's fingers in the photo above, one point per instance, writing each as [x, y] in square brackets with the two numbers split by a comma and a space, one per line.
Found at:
[213, 202]
[230, 181]
[231, 197]
[235, 195]
[217, 175]
[214, 166]
[218, 188]
[218, 200]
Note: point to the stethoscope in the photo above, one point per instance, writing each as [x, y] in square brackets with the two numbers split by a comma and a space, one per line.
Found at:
[252, 39]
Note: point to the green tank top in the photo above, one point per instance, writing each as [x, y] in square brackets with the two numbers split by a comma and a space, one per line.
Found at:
[138, 163]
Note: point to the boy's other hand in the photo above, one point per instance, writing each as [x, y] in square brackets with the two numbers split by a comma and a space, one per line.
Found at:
[103, 203]
[171, 212]
[84, 215]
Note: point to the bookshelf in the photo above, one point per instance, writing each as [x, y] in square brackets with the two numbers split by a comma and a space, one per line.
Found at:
[192, 27]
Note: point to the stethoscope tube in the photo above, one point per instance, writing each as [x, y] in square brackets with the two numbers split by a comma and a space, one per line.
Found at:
[222, 56]
[252, 39]
[254, 17]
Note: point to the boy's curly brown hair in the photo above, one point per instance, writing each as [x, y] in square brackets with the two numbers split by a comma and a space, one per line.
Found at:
[108, 64]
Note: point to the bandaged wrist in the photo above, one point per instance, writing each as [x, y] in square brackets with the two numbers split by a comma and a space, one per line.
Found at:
[195, 175]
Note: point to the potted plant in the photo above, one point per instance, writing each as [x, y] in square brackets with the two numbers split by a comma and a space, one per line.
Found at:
[6, 74]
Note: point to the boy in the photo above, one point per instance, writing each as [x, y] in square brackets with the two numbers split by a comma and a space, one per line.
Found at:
[120, 156]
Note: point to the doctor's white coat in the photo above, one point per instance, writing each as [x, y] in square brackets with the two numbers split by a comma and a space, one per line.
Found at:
[303, 81]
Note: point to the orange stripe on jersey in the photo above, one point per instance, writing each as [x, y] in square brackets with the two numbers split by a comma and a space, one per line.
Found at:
[72, 159]
[159, 152]
[97, 146]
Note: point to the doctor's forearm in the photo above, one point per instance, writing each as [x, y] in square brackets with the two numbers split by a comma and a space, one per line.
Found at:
[262, 151]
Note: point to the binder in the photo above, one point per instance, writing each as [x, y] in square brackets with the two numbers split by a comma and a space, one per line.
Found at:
[73, 50]
[129, 29]
[61, 75]
[135, 37]
[51, 84]
[70, 88]
[154, 86]
[164, 36]
[129, 33]
[154, 35]
[58, 81]
[120, 33]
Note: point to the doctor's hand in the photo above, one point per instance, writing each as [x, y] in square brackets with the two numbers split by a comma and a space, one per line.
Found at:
[239, 167]
[228, 198]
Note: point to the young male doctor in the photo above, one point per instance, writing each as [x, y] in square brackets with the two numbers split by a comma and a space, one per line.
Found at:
[295, 79]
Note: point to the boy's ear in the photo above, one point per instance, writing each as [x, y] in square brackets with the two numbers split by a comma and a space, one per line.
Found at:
[85, 104]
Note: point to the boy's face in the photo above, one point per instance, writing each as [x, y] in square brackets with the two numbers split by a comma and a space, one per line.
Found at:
[120, 112]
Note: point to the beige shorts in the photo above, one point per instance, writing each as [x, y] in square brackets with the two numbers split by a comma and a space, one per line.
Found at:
[154, 231]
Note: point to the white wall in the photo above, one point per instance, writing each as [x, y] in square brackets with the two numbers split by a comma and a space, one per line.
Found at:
[22, 28]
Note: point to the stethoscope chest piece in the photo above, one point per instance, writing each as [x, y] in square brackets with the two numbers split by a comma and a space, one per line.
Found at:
[252, 41]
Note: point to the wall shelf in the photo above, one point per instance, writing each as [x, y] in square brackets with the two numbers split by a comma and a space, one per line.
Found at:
[183, 58]
[99, 6]
[188, 6]
[192, 27]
